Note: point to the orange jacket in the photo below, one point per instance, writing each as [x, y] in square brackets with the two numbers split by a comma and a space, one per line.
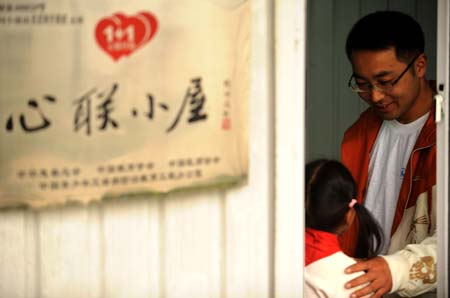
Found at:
[420, 176]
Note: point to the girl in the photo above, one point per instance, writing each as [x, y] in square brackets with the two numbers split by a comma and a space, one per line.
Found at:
[330, 208]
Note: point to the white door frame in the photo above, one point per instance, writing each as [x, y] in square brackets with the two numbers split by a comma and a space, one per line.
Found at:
[442, 170]
[289, 91]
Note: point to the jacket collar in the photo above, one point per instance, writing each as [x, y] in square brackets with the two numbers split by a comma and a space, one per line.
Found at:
[427, 136]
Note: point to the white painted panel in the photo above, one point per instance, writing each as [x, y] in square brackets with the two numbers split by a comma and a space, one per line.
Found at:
[249, 210]
[31, 267]
[67, 252]
[19, 276]
[192, 227]
[130, 236]
[248, 244]
[13, 247]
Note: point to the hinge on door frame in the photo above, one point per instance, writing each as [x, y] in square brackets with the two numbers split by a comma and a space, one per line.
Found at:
[439, 98]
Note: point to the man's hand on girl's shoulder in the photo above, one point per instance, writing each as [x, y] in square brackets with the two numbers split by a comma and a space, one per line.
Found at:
[377, 276]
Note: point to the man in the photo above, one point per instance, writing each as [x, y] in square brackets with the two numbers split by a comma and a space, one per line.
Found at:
[391, 152]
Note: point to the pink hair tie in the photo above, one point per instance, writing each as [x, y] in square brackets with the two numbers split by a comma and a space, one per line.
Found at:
[352, 203]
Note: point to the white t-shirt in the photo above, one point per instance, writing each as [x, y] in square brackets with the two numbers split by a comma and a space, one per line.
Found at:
[388, 161]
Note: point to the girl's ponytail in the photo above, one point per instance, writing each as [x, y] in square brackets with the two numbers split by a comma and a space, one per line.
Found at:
[370, 235]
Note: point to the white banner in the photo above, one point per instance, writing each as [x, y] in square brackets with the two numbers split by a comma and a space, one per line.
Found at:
[104, 98]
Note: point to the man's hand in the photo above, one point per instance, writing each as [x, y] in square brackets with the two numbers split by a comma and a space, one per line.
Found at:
[377, 277]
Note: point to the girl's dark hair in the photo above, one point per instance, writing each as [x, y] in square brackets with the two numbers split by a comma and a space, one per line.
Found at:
[330, 188]
[382, 30]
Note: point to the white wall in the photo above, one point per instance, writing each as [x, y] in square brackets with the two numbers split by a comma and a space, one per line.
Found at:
[245, 242]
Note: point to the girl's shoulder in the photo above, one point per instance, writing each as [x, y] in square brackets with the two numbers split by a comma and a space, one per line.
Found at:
[331, 263]
[326, 276]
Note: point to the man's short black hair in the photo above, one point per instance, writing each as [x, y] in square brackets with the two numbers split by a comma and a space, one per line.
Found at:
[382, 30]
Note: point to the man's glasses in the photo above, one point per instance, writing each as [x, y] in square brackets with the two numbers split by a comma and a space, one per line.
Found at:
[384, 87]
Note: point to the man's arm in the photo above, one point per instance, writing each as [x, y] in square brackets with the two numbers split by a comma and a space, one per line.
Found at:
[409, 272]
[414, 267]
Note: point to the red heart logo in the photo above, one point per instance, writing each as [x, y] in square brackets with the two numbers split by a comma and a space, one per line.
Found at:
[120, 35]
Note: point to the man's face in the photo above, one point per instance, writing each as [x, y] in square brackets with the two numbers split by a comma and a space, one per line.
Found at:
[378, 67]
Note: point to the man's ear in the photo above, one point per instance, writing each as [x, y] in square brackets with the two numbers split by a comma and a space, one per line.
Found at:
[420, 66]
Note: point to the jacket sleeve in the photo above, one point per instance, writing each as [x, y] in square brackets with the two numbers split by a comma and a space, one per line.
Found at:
[413, 268]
